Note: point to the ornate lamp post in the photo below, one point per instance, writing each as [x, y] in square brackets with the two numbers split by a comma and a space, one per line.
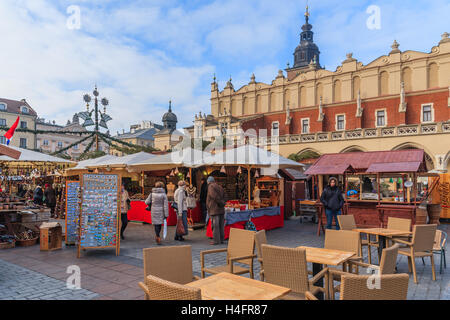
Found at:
[87, 115]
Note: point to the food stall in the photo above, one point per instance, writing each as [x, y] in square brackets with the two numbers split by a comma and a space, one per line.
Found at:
[266, 210]
[376, 185]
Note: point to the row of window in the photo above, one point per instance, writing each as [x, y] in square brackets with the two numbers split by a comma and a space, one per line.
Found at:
[23, 124]
[427, 115]
[23, 142]
[23, 109]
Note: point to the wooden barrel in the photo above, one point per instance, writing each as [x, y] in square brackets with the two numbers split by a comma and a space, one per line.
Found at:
[434, 213]
[421, 215]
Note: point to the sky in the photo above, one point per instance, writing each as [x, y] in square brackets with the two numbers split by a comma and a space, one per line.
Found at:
[143, 53]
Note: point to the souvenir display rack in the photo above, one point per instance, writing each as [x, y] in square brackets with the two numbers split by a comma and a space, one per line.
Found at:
[267, 186]
[72, 211]
[100, 210]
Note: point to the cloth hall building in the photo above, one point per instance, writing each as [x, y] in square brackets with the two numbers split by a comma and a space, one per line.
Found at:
[398, 101]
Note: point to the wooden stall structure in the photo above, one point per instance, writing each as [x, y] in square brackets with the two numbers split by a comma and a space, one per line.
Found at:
[377, 184]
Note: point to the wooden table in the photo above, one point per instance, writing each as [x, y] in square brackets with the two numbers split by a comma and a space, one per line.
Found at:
[227, 286]
[320, 256]
[382, 233]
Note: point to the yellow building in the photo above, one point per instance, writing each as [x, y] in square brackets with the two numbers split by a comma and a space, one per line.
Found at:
[9, 111]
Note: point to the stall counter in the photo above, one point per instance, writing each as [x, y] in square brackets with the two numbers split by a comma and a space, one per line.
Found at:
[263, 219]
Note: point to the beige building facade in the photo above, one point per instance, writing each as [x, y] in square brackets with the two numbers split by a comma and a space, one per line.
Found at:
[9, 111]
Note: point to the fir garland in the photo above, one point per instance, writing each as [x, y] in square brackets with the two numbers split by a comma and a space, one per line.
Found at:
[5, 128]
[72, 145]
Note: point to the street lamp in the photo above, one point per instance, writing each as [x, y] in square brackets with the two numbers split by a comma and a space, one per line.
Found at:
[87, 115]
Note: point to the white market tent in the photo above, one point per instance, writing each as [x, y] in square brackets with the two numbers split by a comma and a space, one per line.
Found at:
[249, 156]
[122, 162]
[187, 157]
[33, 156]
[83, 165]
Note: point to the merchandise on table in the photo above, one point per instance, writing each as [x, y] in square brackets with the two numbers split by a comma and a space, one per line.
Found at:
[72, 211]
[99, 212]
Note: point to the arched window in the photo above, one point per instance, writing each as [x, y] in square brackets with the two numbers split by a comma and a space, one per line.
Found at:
[407, 78]
[337, 91]
[433, 75]
[287, 98]
[2, 106]
[258, 103]
[319, 92]
[24, 109]
[302, 96]
[356, 87]
[384, 83]
[273, 98]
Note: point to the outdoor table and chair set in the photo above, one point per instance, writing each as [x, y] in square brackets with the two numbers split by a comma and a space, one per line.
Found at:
[285, 272]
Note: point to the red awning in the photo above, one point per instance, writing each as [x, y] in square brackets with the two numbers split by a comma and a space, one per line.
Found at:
[329, 169]
[412, 166]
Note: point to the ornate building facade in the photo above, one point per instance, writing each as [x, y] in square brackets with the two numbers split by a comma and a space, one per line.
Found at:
[400, 100]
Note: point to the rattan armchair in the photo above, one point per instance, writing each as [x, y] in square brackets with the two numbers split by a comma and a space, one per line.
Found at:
[169, 263]
[347, 222]
[420, 246]
[287, 267]
[241, 246]
[398, 224]
[369, 287]
[260, 239]
[344, 240]
[158, 289]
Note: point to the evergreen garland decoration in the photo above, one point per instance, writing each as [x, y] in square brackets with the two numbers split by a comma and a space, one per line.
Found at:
[72, 145]
[5, 128]
[88, 147]
[130, 145]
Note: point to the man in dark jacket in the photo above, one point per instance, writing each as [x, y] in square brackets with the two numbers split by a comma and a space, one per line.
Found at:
[38, 195]
[333, 201]
[203, 197]
[50, 199]
[215, 204]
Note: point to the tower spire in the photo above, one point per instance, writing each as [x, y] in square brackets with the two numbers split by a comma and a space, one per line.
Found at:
[307, 13]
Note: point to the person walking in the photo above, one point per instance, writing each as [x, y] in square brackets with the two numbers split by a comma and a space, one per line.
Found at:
[124, 207]
[215, 203]
[38, 195]
[180, 197]
[159, 208]
[203, 196]
[50, 199]
[333, 201]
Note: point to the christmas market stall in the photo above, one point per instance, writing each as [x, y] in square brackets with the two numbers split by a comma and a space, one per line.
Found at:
[258, 189]
[376, 185]
[20, 175]
[170, 168]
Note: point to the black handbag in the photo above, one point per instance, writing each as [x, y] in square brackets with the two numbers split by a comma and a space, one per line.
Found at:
[149, 206]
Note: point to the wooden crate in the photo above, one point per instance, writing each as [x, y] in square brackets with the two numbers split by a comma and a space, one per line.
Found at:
[51, 236]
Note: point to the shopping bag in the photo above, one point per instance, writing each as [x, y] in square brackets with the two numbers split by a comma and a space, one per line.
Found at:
[180, 227]
[165, 229]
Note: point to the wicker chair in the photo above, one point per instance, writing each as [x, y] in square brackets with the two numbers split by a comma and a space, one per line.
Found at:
[344, 240]
[391, 287]
[158, 289]
[347, 222]
[169, 263]
[398, 224]
[260, 239]
[439, 247]
[241, 246]
[287, 267]
[420, 246]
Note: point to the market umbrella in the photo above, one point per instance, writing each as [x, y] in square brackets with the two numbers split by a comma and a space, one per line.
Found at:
[33, 156]
[249, 156]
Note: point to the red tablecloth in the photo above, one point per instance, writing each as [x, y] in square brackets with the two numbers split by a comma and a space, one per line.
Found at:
[138, 213]
[261, 223]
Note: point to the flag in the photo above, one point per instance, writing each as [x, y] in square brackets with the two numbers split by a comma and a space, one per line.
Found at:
[9, 134]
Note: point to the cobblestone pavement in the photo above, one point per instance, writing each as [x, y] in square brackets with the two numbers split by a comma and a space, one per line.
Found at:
[28, 273]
